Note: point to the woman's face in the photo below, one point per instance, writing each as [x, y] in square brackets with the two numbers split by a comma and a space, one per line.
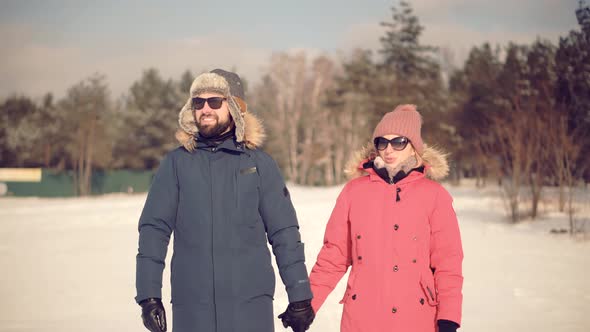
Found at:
[393, 157]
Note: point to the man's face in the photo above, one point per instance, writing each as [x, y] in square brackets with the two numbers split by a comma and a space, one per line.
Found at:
[213, 122]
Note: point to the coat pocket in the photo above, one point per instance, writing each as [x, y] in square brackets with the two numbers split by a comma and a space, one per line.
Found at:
[427, 284]
[349, 288]
[345, 297]
[247, 199]
[251, 235]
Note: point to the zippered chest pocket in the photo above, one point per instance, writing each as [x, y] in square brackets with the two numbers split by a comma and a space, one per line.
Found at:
[247, 183]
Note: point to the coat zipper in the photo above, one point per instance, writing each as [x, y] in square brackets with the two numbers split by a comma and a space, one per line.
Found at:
[212, 243]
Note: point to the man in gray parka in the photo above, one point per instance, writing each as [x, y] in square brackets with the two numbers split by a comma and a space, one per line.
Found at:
[223, 199]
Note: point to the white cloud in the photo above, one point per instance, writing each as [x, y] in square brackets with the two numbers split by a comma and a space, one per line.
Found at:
[33, 68]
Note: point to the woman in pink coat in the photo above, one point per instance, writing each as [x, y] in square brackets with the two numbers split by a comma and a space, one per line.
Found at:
[397, 228]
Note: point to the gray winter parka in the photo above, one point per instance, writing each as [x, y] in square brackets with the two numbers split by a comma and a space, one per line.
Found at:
[223, 204]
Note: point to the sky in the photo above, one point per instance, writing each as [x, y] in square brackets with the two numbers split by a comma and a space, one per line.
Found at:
[48, 46]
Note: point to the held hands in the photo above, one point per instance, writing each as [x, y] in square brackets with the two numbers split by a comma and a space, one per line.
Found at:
[153, 315]
[299, 315]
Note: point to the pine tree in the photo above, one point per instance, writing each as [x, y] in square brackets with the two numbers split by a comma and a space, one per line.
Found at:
[476, 83]
[17, 133]
[185, 83]
[572, 101]
[148, 120]
[353, 105]
[541, 117]
[409, 72]
[403, 55]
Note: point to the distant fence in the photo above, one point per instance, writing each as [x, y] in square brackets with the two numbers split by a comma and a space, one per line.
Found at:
[50, 183]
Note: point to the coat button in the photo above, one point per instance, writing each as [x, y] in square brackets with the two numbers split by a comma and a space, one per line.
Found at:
[395, 269]
[396, 227]
[354, 297]
[358, 237]
[414, 260]
[360, 258]
[422, 301]
[393, 310]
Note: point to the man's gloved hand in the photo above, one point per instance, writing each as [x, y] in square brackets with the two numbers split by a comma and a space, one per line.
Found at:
[447, 325]
[153, 314]
[299, 315]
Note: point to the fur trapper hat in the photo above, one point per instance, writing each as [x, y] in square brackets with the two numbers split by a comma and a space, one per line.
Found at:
[230, 86]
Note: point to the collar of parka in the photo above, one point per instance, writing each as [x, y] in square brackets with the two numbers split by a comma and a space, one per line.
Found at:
[249, 129]
[229, 144]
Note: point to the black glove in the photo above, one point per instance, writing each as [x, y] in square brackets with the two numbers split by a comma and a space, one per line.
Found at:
[153, 315]
[299, 315]
[447, 326]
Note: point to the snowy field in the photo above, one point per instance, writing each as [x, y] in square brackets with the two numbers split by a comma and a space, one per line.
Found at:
[69, 265]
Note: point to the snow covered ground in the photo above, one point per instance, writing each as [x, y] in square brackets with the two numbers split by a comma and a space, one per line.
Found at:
[69, 265]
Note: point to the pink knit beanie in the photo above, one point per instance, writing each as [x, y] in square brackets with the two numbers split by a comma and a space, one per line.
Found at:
[404, 120]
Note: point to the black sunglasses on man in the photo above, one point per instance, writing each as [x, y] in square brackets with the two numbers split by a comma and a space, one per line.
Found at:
[214, 102]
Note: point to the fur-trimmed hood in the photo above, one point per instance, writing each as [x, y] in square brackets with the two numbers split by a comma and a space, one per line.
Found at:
[249, 129]
[434, 160]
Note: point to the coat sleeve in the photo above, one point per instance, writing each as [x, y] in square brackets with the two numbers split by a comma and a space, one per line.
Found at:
[446, 257]
[155, 226]
[335, 256]
[282, 229]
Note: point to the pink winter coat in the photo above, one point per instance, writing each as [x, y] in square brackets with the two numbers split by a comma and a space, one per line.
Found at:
[406, 255]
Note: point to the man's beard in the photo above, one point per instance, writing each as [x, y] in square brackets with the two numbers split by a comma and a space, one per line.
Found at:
[210, 131]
